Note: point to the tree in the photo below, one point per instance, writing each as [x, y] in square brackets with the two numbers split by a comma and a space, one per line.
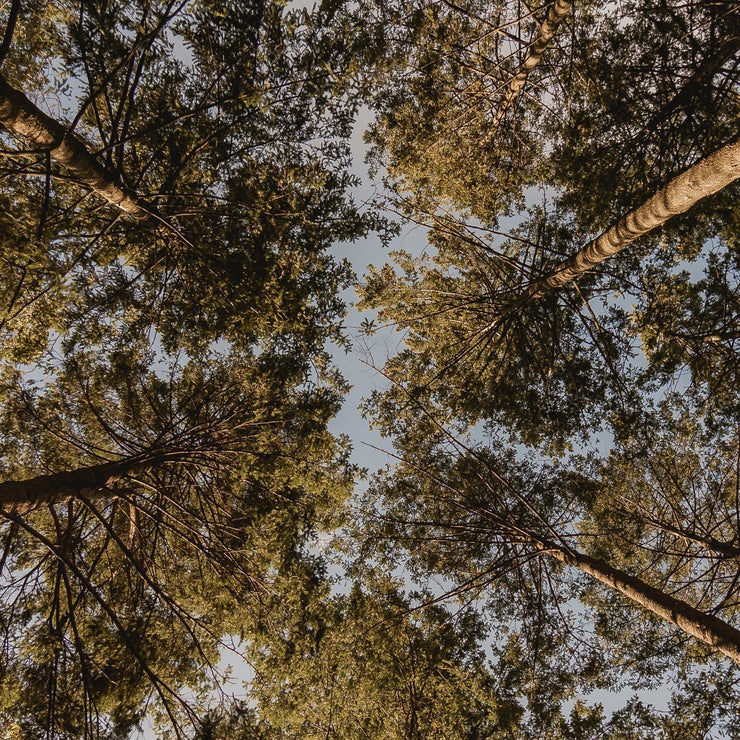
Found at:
[19, 115]
[549, 371]
[555, 15]
[166, 389]
[655, 93]
[441, 88]
[542, 443]
[410, 674]
[544, 370]
[215, 479]
[247, 180]
[629, 96]
[498, 529]
[165, 475]
[701, 180]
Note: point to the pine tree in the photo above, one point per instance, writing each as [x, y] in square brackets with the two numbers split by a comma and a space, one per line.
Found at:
[165, 385]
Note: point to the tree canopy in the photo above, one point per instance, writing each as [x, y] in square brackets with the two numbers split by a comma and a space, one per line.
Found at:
[559, 514]
[167, 299]
[564, 406]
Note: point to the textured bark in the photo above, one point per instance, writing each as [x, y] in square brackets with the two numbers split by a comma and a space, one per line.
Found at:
[705, 627]
[94, 481]
[555, 16]
[19, 115]
[706, 177]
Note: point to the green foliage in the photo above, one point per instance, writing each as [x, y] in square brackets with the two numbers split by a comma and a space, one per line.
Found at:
[138, 585]
[187, 348]
[629, 96]
[548, 371]
[649, 91]
[637, 361]
[408, 674]
[234, 134]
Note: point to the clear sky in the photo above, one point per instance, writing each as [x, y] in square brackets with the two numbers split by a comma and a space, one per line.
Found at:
[369, 353]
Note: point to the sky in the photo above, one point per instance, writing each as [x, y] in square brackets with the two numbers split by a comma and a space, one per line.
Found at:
[360, 366]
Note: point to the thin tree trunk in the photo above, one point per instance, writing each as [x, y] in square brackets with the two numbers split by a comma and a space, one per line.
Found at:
[697, 82]
[710, 338]
[13, 13]
[93, 481]
[706, 177]
[720, 548]
[705, 627]
[19, 115]
[555, 16]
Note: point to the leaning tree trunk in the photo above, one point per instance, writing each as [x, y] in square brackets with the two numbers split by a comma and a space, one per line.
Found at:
[706, 177]
[20, 116]
[705, 627]
[696, 84]
[94, 481]
[555, 16]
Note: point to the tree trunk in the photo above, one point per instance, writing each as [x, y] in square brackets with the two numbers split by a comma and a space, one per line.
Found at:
[19, 115]
[705, 627]
[555, 16]
[94, 481]
[697, 83]
[706, 177]
[720, 548]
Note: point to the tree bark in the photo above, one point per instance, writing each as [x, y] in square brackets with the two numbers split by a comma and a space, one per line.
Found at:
[20, 116]
[93, 481]
[705, 627]
[555, 16]
[706, 177]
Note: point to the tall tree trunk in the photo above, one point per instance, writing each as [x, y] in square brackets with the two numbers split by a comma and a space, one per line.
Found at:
[19, 115]
[555, 16]
[705, 627]
[706, 177]
[93, 481]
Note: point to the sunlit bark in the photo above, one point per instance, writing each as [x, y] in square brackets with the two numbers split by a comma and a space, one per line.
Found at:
[20, 116]
[705, 627]
[555, 16]
[706, 177]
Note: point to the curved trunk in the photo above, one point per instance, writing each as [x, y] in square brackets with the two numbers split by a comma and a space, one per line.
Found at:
[705, 627]
[555, 16]
[706, 177]
[19, 115]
